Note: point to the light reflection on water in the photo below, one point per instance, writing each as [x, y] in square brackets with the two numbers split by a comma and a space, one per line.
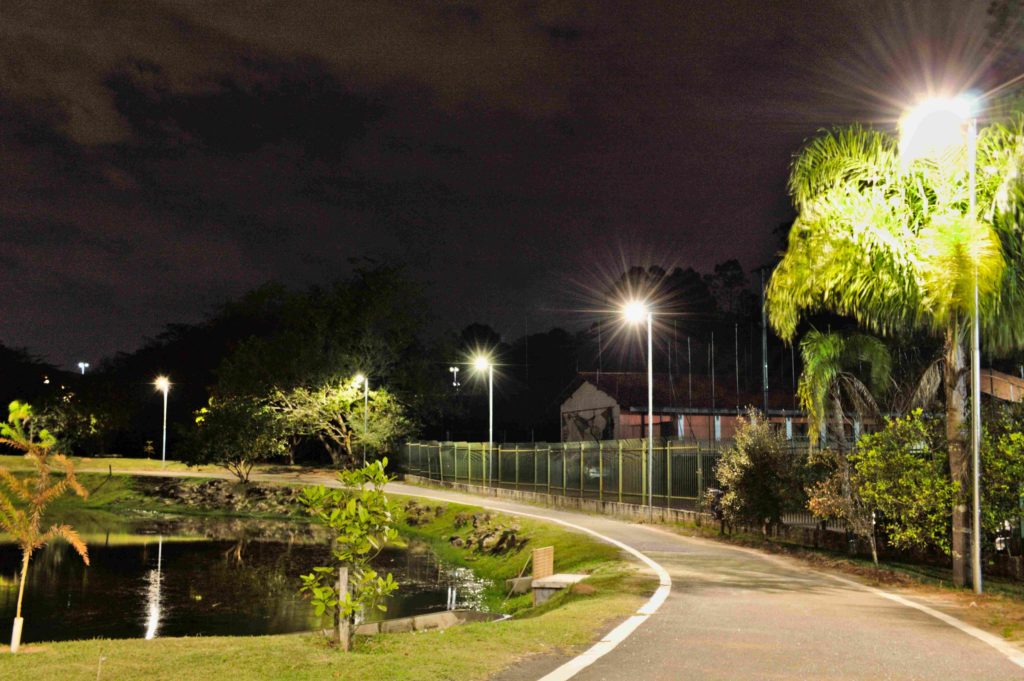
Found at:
[153, 593]
[202, 578]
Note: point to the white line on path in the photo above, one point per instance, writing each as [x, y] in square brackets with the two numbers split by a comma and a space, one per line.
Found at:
[619, 633]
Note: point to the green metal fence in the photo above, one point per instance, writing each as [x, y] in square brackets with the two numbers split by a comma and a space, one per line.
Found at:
[612, 470]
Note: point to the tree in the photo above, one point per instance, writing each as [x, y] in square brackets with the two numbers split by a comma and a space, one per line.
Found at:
[79, 427]
[841, 372]
[900, 472]
[894, 247]
[838, 370]
[760, 475]
[24, 499]
[368, 323]
[235, 432]
[333, 414]
[363, 521]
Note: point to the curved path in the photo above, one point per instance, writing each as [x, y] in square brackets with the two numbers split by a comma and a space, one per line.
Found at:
[735, 613]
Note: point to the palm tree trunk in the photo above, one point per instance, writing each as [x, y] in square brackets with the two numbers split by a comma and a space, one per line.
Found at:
[955, 385]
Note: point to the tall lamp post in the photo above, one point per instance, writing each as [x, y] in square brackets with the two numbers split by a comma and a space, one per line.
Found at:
[163, 384]
[927, 130]
[365, 382]
[636, 312]
[483, 363]
[83, 366]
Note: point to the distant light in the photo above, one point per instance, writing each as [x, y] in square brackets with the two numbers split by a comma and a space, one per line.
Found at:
[635, 311]
[482, 362]
[46, 380]
[83, 366]
[358, 380]
[163, 384]
[934, 126]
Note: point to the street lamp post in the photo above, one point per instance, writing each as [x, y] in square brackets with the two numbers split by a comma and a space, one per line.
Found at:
[83, 366]
[163, 384]
[928, 129]
[365, 380]
[483, 363]
[636, 312]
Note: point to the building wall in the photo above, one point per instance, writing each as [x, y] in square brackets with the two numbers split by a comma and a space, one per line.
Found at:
[590, 415]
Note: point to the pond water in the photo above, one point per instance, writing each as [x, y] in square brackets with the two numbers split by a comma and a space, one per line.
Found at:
[189, 578]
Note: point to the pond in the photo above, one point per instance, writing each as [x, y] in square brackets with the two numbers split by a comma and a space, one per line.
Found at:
[190, 578]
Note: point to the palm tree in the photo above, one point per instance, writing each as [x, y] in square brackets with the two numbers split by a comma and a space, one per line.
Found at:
[834, 366]
[895, 248]
[832, 379]
[25, 498]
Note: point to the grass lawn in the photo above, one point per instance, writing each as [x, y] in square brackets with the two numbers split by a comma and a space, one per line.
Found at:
[115, 464]
[473, 651]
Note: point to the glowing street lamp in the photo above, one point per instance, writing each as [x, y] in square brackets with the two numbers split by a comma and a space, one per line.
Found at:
[483, 363]
[930, 130]
[635, 312]
[163, 384]
[364, 380]
[83, 366]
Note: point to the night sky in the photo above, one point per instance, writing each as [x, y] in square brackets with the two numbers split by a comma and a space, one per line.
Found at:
[159, 158]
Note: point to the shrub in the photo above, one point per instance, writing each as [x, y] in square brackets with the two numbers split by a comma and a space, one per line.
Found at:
[901, 472]
[761, 476]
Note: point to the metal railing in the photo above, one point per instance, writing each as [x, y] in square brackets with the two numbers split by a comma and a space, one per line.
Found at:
[612, 470]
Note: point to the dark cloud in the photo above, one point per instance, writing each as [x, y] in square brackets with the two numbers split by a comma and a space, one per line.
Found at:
[160, 157]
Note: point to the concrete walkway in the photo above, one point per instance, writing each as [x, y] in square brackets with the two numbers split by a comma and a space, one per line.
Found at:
[736, 614]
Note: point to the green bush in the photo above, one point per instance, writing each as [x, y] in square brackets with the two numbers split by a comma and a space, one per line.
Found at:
[1002, 466]
[902, 472]
[760, 475]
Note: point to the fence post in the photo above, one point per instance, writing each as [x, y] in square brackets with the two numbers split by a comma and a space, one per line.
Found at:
[643, 471]
[668, 473]
[549, 470]
[440, 464]
[564, 470]
[581, 469]
[700, 477]
[619, 471]
[517, 464]
[600, 470]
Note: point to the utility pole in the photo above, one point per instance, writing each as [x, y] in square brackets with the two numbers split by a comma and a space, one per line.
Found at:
[764, 346]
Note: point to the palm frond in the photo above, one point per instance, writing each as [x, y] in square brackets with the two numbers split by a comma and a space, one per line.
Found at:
[69, 534]
[17, 487]
[926, 391]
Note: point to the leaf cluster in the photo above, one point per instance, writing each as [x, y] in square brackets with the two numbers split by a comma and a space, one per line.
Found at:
[363, 521]
[761, 476]
[23, 499]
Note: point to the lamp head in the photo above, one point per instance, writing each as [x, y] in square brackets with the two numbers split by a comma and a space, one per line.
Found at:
[482, 362]
[359, 379]
[934, 125]
[162, 384]
[635, 311]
